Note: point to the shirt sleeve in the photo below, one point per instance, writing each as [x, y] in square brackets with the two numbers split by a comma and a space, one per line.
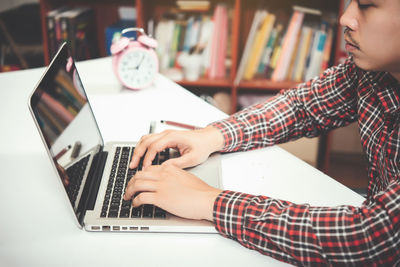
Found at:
[322, 104]
[314, 236]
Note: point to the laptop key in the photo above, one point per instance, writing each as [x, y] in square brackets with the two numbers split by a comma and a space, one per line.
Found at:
[113, 214]
[124, 213]
[136, 212]
[159, 213]
[148, 211]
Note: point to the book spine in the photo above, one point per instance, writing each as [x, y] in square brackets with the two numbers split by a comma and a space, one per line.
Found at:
[302, 55]
[63, 27]
[247, 48]
[316, 55]
[269, 69]
[289, 42]
[260, 41]
[267, 51]
[186, 44]
[327, 50]
[223, 41]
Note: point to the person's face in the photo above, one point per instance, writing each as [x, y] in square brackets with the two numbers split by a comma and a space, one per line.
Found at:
[373, 34]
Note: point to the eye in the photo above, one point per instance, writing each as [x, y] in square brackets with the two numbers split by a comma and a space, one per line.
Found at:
[362, 5]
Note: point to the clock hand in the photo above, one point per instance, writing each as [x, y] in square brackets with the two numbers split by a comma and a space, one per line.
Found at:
[138, 65]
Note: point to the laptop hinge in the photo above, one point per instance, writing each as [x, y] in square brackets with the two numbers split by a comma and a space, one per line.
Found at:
[92, 185]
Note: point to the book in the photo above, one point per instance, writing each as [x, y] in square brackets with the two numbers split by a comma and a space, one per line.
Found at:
[259, 43]
[288, 45]
[182, 34]
[304, 48]
[258, 17]
[286, 55]
[293, 58]
[188, 34]
[316, 55]
[177, 31]
[219, 42]
[327, 50]
[193, 33]
[204, 45]
[267, 53]
[51, 25]
[276, 51]
[76, 26]
[163, 33]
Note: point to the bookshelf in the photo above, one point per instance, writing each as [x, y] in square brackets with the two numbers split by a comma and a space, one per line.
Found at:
[241, 19]
[241, 14]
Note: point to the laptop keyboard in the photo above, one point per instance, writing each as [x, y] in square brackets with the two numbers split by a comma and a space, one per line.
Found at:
[75, 174]
[114, 206]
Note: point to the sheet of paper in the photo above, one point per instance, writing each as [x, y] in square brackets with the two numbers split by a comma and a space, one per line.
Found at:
[275, 173]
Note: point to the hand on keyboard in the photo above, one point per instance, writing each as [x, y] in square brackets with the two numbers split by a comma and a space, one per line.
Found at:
[193, 146]
[174, 190]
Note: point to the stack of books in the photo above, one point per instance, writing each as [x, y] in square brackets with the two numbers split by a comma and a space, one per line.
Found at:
[76, 26]
[297, 50]
[202, 33]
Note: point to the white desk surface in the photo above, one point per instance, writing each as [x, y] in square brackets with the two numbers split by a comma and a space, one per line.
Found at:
[36, 227]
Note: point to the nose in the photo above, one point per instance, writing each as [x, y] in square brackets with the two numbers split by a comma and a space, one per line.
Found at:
[349, 17]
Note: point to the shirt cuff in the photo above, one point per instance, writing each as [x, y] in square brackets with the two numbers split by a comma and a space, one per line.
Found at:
[231, 132]
[229, 213]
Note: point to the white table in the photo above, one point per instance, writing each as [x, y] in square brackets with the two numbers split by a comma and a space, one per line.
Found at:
[36, 227]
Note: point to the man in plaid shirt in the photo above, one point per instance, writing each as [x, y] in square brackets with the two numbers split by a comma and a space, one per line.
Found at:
[365, 89]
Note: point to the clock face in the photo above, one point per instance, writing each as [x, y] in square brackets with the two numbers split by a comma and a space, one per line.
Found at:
[137, 67]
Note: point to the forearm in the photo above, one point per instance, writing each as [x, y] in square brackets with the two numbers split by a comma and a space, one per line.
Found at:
[308, 110]
[305, 235]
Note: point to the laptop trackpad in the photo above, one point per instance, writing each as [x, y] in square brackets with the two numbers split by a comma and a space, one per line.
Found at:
[209, 171]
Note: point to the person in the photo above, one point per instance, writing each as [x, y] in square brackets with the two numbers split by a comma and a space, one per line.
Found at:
[365, 88]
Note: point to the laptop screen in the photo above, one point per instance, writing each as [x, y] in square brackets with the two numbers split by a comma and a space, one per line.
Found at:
[60, 107]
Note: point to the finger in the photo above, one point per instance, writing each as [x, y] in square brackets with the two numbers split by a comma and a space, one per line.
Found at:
[139, 186]
[140, 149]
[144, 198]
[160, 144]
[142, 181]
[148, 174]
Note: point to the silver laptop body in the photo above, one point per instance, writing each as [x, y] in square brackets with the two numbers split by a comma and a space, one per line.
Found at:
[68, 128]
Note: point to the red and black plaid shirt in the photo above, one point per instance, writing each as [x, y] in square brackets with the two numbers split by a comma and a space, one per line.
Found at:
[301, 234]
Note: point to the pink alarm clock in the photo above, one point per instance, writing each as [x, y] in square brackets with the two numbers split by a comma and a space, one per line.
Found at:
[135, 62]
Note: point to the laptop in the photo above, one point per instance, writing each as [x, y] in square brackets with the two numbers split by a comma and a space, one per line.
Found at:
[93, 174]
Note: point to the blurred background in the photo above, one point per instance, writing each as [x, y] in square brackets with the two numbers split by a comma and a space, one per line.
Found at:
[22, 46]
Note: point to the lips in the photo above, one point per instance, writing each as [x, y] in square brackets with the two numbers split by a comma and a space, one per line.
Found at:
[352, 45]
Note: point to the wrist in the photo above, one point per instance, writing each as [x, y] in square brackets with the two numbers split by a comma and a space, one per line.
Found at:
[214, 138]
[209, 201]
